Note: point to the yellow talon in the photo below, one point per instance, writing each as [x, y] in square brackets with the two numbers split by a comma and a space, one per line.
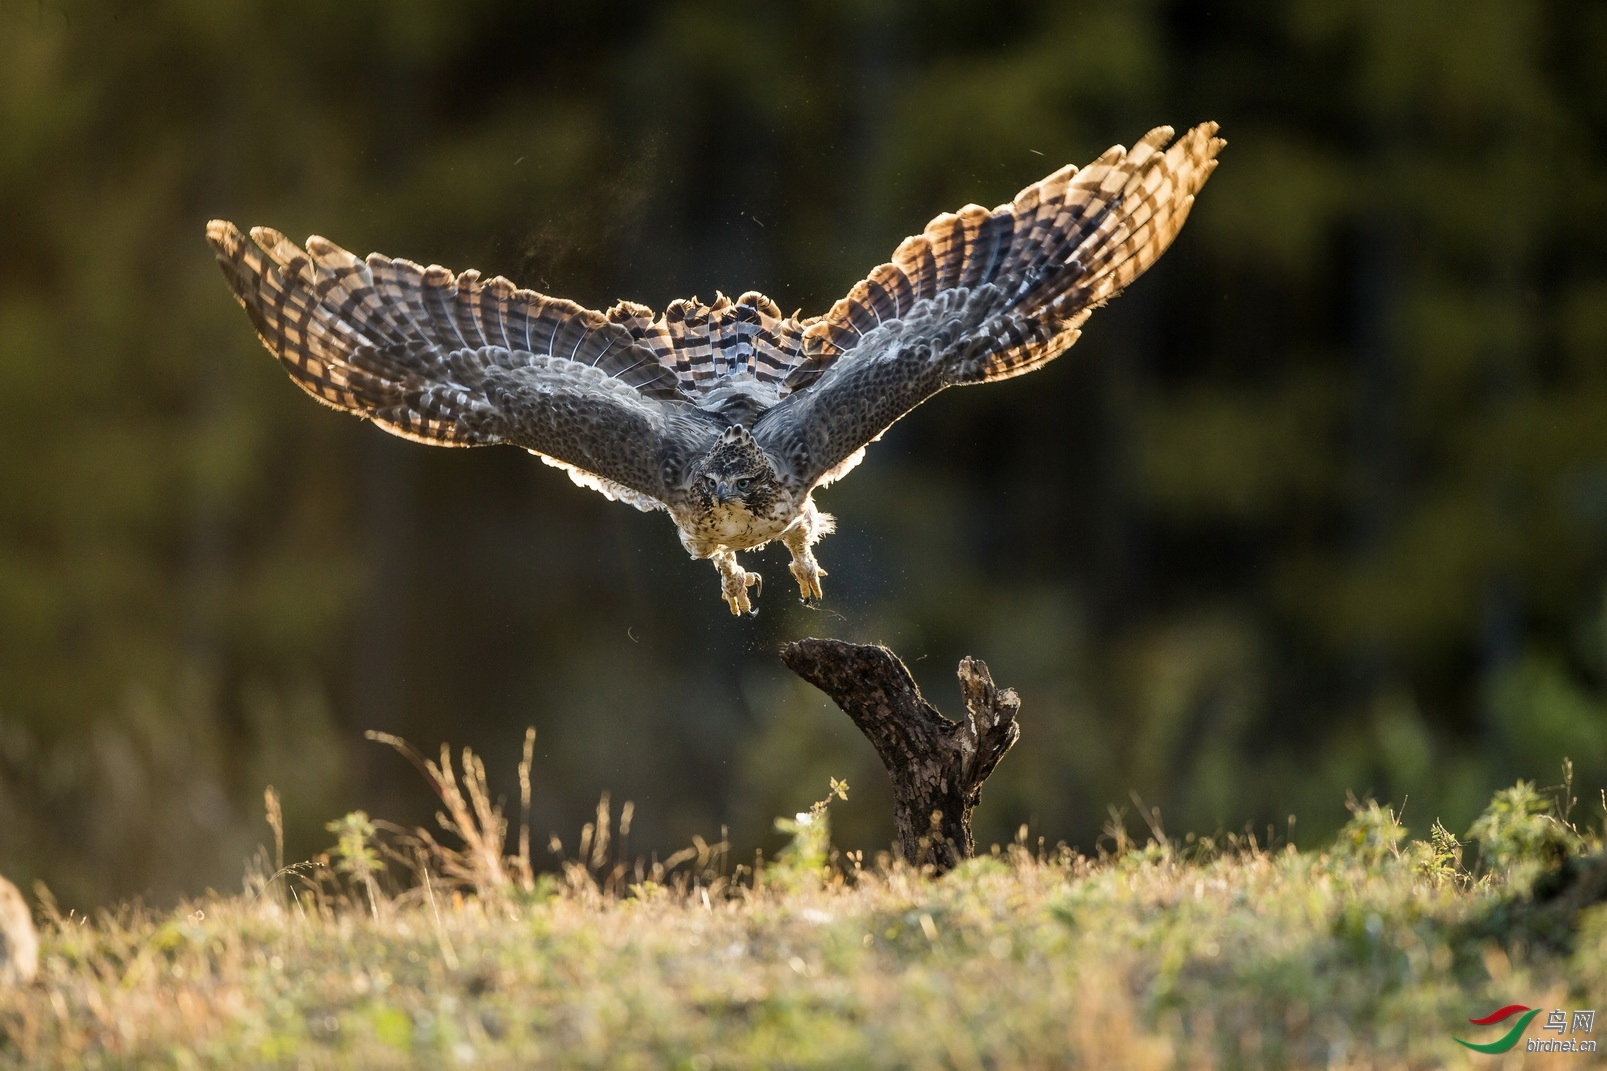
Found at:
[808, 573]
[734, 584]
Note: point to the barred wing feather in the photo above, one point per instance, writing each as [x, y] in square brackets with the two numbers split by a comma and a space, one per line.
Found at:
[457, 360]
[980, 295]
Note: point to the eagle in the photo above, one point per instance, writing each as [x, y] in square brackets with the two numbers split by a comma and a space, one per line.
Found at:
[728, 416]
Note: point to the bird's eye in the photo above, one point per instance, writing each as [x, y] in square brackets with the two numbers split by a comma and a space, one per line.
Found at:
[743, 485]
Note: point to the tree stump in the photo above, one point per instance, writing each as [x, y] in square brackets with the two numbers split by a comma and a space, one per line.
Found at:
[937, 766]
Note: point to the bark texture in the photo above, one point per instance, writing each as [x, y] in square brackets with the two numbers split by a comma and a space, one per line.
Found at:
[937, 766]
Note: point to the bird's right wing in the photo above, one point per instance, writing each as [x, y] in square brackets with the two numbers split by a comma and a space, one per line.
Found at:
[982, 295]
[457, 360]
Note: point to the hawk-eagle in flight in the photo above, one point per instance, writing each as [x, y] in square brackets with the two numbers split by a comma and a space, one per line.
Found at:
[726, 416]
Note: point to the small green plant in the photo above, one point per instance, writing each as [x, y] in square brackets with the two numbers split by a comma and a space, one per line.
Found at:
[805, 858]
[1439, 859]
[354, 854]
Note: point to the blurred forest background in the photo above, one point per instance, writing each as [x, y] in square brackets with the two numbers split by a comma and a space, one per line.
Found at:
[1319, 506]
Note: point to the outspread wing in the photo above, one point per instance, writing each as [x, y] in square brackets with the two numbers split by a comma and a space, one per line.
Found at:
[457, 360]
[982, 295]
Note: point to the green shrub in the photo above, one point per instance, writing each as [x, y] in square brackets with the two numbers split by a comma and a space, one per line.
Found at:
[1521, 829]
[1373, 834]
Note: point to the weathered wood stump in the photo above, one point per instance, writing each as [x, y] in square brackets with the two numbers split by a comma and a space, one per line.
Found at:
[937, 766]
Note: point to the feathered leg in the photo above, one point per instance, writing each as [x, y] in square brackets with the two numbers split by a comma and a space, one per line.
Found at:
[802, 534]
[735, 581]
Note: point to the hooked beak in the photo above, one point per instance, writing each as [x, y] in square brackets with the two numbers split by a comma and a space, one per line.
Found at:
[723, 492]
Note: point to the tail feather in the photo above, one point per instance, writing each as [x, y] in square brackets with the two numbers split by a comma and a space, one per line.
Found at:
[705, 345]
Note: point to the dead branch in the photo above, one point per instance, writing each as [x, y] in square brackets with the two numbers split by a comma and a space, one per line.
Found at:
[937, 766]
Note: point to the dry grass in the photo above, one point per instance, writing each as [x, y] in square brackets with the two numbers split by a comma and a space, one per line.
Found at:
[1157, 956]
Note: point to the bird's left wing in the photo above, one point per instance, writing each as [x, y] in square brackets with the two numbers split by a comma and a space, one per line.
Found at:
[457, 360]
[980, 296]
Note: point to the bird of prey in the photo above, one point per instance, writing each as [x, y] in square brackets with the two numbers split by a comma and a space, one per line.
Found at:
[728, 416]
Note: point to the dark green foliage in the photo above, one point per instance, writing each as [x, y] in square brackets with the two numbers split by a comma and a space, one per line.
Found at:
[1319, 506]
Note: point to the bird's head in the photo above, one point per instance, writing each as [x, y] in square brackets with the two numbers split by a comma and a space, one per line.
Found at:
[736, 471]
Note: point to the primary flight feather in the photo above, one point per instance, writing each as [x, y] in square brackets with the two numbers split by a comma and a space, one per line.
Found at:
[727, 416]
